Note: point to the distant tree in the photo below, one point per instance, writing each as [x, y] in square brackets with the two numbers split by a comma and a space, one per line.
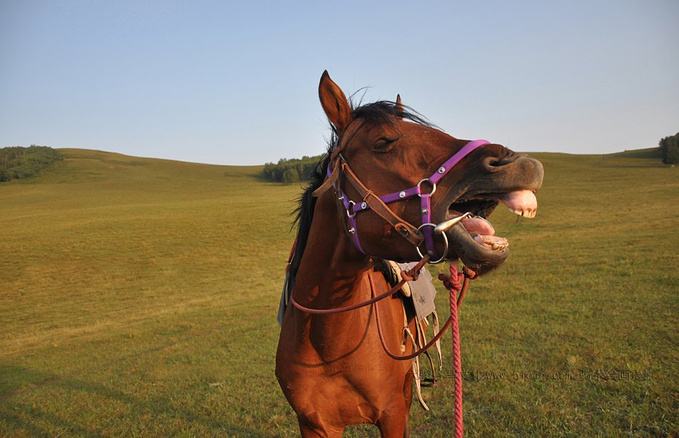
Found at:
[21, 162]
[291, 175]
[291, 170]
[669, 147]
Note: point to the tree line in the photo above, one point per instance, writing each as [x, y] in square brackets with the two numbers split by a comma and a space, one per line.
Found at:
[22, 162]
[669, 148]
[291, 170]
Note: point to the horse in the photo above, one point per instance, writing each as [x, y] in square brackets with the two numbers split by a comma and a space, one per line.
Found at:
[332, 367]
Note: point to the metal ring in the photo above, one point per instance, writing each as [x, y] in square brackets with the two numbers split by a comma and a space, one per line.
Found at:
[445, 240]
[350, 209]
[419, 189]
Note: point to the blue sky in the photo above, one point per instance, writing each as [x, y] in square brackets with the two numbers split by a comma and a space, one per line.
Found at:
[236, 82]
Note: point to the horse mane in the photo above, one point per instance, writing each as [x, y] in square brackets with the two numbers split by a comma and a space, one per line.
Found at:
[382, 111]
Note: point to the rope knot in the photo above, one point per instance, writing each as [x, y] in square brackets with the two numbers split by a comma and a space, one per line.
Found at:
[454, 280]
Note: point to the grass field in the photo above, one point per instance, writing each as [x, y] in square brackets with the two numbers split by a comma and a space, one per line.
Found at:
[138, 298]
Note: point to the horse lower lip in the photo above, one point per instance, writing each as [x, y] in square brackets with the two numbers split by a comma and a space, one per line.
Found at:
[476, 254]
[521, 202]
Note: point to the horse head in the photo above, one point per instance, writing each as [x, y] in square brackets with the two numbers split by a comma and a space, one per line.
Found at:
[388, 148]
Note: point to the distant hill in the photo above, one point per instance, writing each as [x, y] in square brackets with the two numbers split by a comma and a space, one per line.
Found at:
[641, 153]
[94, 165]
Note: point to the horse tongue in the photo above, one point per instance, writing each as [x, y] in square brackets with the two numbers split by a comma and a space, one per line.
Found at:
[478, 225]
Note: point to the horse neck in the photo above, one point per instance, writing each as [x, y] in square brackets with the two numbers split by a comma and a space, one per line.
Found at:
[331, 268]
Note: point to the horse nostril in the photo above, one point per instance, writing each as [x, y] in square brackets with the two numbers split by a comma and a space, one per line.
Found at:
[498, 162]
[494, 163]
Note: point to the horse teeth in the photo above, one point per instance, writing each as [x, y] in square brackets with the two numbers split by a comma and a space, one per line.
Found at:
[498, 246]
[525, 213]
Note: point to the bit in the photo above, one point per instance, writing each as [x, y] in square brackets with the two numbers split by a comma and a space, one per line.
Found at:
[445, 225]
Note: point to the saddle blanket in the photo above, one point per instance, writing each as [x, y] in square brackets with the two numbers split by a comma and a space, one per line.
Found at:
[422, 290]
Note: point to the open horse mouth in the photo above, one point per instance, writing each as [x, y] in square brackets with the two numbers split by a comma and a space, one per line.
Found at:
[473, 240]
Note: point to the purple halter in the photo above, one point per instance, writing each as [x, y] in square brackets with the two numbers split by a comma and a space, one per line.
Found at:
[352, 208]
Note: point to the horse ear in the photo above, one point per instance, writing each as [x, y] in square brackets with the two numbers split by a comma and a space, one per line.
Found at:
[399, 104]
[334, 102]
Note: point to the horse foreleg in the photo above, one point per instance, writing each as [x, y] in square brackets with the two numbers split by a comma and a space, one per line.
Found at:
[309, 430]
[394, 424]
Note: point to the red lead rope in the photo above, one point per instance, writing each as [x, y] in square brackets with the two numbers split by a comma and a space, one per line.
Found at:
[454, 285]
[457, 283]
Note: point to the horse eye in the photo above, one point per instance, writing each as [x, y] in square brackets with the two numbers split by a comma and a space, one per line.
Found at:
[383, 144]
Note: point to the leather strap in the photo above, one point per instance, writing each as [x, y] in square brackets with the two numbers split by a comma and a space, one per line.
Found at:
[328, 182]
[410, 275]
[404, 228]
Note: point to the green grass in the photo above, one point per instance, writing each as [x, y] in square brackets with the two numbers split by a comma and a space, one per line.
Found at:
[138, 298]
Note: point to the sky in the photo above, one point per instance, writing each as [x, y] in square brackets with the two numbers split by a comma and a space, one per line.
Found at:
[236, 82]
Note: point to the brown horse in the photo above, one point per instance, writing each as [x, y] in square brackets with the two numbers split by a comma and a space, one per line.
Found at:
[332, 368]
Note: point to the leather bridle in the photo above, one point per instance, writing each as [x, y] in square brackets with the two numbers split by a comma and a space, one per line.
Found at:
[338, 168]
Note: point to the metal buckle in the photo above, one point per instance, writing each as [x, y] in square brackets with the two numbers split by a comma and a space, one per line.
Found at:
[419, 188]
[445, 240]
[350, 209]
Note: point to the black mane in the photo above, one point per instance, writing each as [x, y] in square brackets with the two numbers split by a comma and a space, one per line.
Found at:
[376, 112]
